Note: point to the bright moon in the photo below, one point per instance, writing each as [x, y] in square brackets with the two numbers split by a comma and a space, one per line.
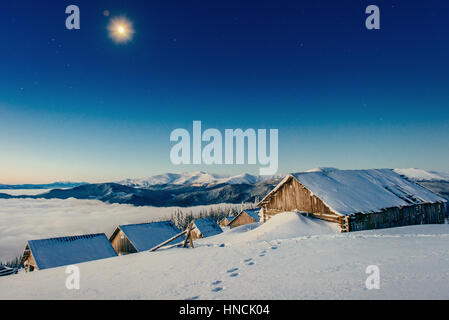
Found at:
[120, 30]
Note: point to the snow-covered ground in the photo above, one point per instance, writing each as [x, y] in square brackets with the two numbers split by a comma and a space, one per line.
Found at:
[289, 257]
[31, 219]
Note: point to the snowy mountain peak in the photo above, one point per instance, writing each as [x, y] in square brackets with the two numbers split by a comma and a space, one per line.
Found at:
[195, 178]
[423, 175]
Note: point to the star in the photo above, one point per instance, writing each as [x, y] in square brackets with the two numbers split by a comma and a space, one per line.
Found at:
[120, 30]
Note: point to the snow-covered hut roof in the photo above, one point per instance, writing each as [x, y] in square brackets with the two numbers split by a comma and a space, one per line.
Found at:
[56, 252]
[207, 227]
[5, 271]
[348, 192]
[253, 213]
[146, 236]
[229, 219]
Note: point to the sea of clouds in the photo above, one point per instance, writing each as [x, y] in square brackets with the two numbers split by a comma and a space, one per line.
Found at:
[30, 219]
[19, 192]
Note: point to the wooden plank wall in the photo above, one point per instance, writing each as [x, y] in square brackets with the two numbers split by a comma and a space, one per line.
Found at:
[196, 234]
[293, 196]
[397, 217]
[32, 266]
[224, 223]
[122, 245]
[241, 220]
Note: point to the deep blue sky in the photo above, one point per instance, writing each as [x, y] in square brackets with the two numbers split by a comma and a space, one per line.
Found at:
[76, 106]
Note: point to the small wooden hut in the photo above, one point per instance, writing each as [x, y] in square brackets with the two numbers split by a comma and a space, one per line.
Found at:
[225, 221]
[134, 238]
[205, 227]
[246, 216]
[57, 252]
[356, 199]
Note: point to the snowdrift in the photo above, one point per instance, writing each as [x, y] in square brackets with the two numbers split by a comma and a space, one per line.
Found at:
[290, 225]
[293, 225]
[285, 225]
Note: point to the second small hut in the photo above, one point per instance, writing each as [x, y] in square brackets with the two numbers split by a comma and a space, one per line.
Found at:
[134, 238]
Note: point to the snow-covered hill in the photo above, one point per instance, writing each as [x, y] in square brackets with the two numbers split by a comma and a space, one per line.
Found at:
[282, 259]
[195, 178]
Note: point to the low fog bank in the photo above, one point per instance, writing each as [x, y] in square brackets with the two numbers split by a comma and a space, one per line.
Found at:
[29, 219]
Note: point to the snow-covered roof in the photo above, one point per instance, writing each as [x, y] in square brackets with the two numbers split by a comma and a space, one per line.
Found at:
[56, 252]
[208, 227]
[146, 236]
[229, 219]
[6, 271]
[362, 191]
[253, 213]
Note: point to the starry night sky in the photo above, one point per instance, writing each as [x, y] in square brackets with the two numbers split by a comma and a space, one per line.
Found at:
[74, 105]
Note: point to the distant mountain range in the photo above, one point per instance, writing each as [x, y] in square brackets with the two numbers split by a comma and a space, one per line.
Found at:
[423, 175]
[162, 195]
[195, 178]
[41, 186]
[193, 189]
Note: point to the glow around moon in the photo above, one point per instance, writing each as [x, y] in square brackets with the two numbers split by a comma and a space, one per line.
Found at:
[121, 30]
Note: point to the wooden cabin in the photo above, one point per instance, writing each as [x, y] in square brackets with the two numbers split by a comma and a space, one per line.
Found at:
[246, 216]
[57, 252]
[356, 199]
[134, 238]
[225, 221]
[205, 227]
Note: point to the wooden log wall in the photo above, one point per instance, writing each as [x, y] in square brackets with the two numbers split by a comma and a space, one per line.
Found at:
[196, 234]
[32, 266]
[122, 245]
[397, 217]
[293, 196]
[241, 220]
